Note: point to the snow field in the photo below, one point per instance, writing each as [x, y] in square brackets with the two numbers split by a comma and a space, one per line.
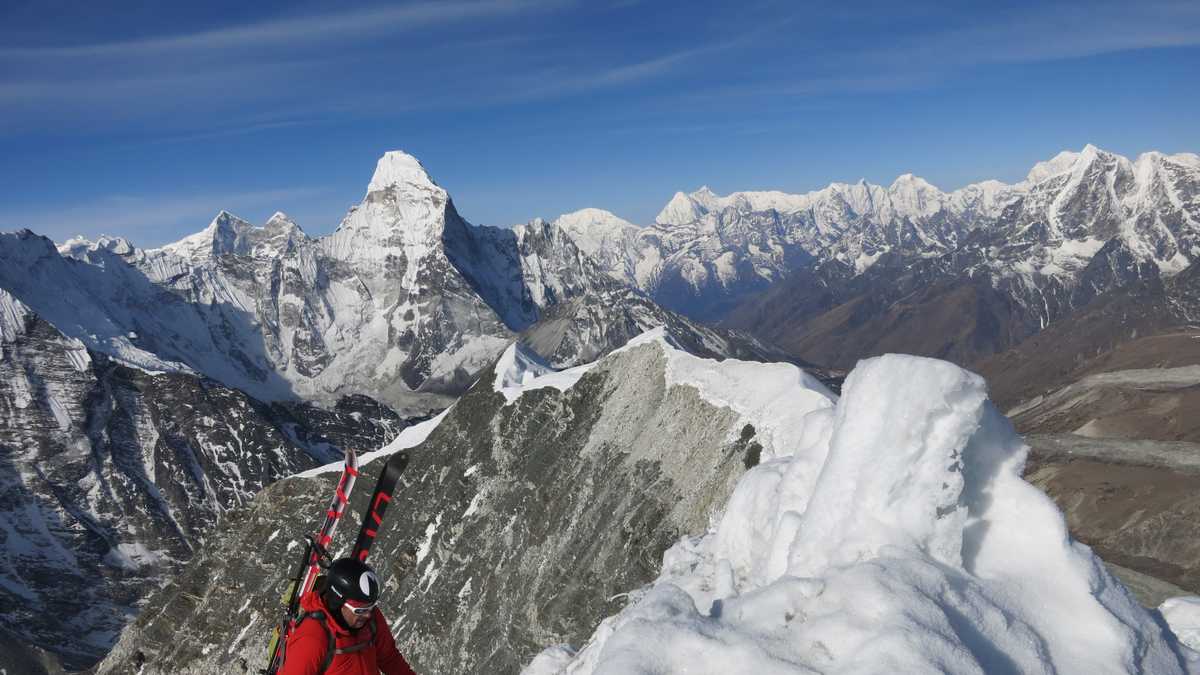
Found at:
[897, 537]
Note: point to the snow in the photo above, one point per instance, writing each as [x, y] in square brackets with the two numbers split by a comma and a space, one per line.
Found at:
[680, 210]
[133, 556]
[864, 261]
[784, 404]
[78, 355]
[427, 542]
[473, 355]
[590, 227]
[519, 370]
[242, 635]
[396, 168]
[408, 438]
[1060, 164]
[225, 233]
[1080, 248]
[13, 314]
[788, 408]
[61, 416]
[473, 507]
[899, 538]
[1183, 616]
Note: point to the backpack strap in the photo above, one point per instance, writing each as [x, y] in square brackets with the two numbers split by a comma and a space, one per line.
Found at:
[332, 648]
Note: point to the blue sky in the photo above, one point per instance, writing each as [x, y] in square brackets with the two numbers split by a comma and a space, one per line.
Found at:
[145, 119]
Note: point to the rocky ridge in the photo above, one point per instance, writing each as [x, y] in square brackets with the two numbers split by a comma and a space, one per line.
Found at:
[533, 505]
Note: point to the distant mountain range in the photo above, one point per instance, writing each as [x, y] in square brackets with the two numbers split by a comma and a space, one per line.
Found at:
[404, 302]
[857, 269]
[148, 391]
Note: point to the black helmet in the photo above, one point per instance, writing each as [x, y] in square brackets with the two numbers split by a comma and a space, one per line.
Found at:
[350, 579]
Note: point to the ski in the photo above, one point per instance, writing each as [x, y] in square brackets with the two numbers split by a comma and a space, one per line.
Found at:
[373, 518]
[309, 567]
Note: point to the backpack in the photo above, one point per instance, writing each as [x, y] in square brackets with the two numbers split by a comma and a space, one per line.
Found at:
[333, 649]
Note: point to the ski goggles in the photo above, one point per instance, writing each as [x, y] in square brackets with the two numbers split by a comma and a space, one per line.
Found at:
[359, 610]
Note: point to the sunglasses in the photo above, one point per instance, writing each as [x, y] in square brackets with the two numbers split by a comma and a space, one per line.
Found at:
[360, 611]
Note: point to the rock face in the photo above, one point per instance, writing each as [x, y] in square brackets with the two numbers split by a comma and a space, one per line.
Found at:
[111, 476]
[520, 521]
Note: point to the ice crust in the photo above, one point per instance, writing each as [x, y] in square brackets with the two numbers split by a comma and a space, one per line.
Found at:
[898, 537]
[1183, 615]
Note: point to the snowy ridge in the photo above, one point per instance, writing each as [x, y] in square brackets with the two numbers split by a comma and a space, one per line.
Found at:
[409, 437]
[788, 408]
[781, 401]
[520, 369]
[902, 540]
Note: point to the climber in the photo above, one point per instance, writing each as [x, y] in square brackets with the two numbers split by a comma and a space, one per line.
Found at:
[340, 631]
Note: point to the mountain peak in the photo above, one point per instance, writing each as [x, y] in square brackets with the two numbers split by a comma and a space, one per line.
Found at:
[280, 221]
[396, 168]
[1059, 164]
[221, 236]
[226, 221]
[595, 217]
[681, 209]
[908, 180]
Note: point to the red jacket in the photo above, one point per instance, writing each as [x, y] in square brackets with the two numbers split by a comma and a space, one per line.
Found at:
[308, 643]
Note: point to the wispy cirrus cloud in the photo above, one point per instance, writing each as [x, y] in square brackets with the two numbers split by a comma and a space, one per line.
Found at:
[380, 61]
[308, 30]
[147, 220]
[309, 61]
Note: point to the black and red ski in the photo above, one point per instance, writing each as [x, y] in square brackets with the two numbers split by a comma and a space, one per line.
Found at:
[310, 563]
[373, 517]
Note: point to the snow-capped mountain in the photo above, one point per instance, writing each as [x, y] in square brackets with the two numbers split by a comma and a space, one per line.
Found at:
[1079, 223]
[111, 476]
[405, 302]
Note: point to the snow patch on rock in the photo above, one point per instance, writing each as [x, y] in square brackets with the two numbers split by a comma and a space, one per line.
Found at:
[408, 438]
[520, 369]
